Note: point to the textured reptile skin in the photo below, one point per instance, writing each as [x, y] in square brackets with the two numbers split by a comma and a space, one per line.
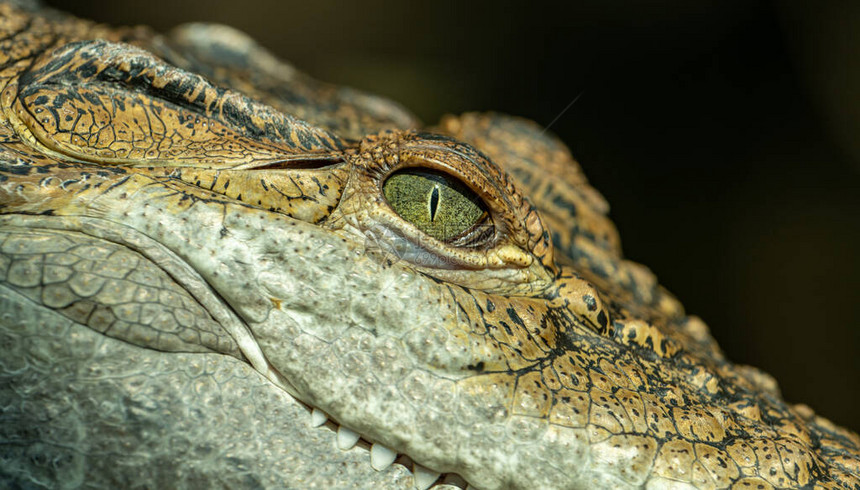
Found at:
[195, 251]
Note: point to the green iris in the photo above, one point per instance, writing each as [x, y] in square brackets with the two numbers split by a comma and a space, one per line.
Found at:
[437, 204]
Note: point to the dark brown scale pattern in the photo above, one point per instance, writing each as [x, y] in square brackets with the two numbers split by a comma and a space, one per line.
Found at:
[100, 101]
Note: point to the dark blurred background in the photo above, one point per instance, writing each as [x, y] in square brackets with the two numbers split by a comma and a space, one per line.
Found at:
[722, 134]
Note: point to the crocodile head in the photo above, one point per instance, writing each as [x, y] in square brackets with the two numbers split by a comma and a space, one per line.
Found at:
[455, 294]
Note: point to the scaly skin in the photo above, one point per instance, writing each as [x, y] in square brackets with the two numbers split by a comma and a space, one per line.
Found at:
[178, 252]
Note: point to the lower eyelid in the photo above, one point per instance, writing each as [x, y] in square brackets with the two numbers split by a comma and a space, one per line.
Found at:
[382, 237]
[474, 237]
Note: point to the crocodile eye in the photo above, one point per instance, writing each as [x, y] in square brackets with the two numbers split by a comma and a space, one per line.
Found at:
[438, 204]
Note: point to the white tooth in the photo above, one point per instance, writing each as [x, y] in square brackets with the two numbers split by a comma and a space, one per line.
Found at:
[346, 438]
[381, 457]
[318, 417]
[424, 477]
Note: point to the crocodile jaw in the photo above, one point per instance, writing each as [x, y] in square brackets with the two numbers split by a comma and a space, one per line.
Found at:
[374, 346]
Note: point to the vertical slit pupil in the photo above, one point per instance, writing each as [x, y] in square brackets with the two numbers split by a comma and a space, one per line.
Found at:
[434, 202]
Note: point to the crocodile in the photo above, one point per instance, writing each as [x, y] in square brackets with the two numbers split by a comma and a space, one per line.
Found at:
[217, 271]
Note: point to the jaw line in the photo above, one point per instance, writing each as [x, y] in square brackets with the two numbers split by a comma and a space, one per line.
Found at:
[187, 277]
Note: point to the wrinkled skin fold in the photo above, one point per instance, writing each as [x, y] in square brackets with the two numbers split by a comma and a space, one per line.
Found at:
[196, 250]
